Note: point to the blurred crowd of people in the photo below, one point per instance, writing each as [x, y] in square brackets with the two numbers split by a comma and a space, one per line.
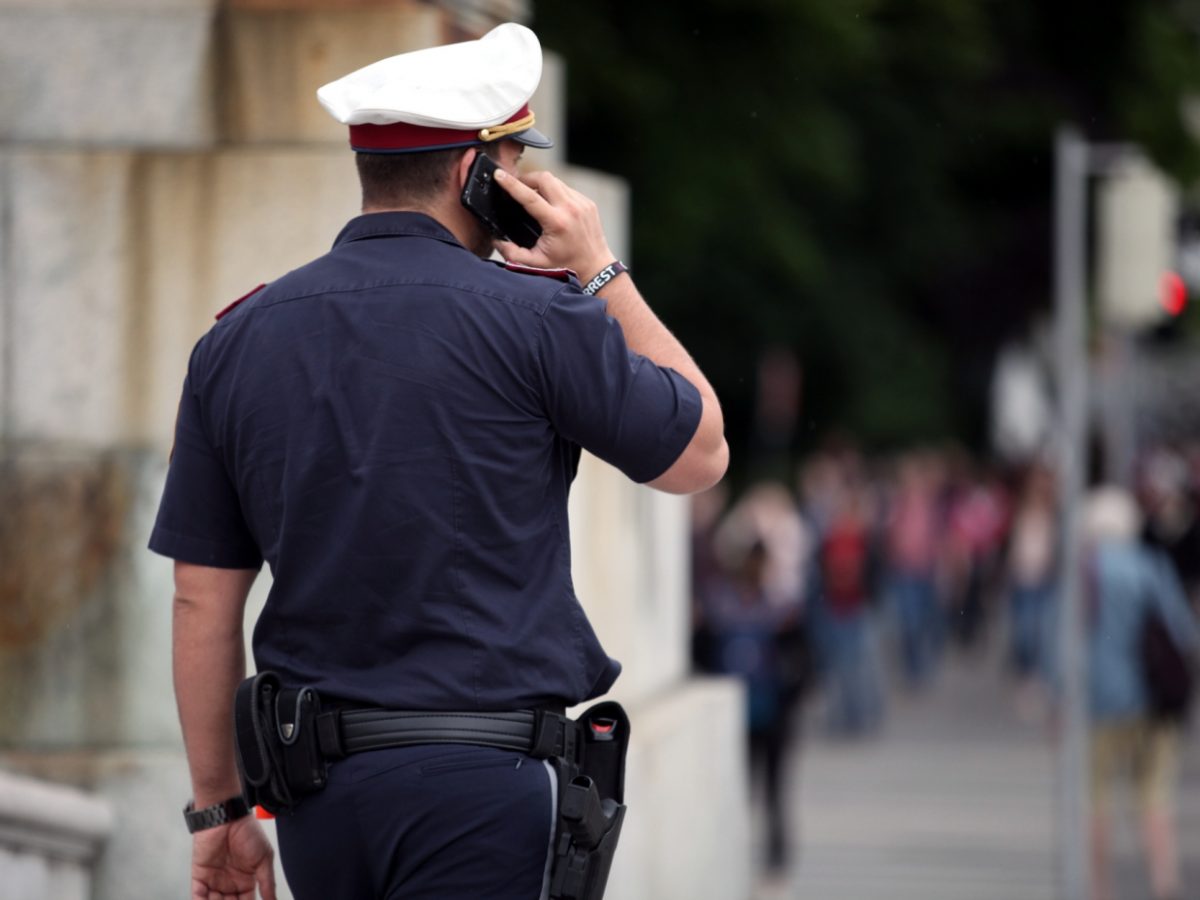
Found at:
[856, 579]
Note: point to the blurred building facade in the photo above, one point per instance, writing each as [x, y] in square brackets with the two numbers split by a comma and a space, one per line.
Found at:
[159, 158]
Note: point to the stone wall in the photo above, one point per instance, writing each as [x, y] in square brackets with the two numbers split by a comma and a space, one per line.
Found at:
[159, 158]
[49, 839]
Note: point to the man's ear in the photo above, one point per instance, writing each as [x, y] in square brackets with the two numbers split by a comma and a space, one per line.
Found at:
[464, 166]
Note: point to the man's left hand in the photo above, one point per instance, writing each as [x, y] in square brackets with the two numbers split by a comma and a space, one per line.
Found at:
[229, 860]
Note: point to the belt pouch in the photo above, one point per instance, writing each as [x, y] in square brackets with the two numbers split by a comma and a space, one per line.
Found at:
[605, 729]
[259, 754]
[303, 763]
[276, 742]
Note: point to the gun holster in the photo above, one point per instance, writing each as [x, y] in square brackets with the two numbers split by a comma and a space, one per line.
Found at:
[278, 755]
[591, 804]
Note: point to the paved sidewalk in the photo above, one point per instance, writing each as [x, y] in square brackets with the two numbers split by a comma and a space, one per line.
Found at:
[953, 801]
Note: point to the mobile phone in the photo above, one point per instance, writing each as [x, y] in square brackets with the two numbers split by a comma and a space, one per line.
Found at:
[495, 207]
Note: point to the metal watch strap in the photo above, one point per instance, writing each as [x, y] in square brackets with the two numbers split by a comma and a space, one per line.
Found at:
[605, 275]
[218, 814]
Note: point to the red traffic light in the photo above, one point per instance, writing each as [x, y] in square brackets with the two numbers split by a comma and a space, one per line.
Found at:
[1172, 293]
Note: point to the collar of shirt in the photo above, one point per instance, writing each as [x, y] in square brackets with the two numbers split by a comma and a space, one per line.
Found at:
[394, 224]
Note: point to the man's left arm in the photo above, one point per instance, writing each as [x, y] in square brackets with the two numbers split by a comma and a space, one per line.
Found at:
[209, 662]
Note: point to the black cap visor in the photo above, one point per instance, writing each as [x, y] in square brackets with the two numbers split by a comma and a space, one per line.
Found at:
[531, 137]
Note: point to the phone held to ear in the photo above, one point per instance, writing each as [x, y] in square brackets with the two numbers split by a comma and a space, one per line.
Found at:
[495, 207]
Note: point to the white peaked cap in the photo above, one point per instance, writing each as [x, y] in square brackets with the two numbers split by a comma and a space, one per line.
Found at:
[467, 87]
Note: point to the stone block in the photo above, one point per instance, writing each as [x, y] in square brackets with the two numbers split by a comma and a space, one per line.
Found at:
[144, 588]
[629, 564]
[549, 104]
[49, 835]
[25, 874]
[148, 851]
[51, 820]
[64, 248]
[214, 226]
[123, 74]
[272, 60]
[611, 194]
[147, 791]
[687, 831]
[478, 16]
[97, 6]
[33, 876]
[85, 609]
[629, 543]
[113, 265]
[6, 342]
[497, 10]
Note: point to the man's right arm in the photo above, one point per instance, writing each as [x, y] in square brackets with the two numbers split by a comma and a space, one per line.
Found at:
[704, 460]
[574, 238]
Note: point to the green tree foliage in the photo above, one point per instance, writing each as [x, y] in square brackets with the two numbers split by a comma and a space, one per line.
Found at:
[864, 181]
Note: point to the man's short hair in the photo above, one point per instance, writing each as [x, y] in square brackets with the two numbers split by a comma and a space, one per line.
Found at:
[407, 180]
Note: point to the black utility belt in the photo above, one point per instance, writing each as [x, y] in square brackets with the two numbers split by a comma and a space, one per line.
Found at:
[539, 733]
[285, 741]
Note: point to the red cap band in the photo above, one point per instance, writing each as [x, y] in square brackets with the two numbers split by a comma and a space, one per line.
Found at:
[406, 136]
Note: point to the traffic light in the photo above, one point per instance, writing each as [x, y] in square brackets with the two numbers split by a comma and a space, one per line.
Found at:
[1137, 240]
[1173, 294]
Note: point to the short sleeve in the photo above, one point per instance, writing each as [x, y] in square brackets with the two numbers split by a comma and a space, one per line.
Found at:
[200, 518]
[616, 404]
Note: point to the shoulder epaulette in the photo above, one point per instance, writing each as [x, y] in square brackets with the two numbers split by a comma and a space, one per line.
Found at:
[557, 274]
[242, 299]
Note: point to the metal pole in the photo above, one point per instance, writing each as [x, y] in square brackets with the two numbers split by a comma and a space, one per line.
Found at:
[1120, 468]
[1070, 212]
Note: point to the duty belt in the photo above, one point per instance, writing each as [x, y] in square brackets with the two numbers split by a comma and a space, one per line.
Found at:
[539, 733]
[286, 737]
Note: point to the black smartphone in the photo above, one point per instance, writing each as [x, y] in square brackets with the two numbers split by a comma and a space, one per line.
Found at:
[495, 208]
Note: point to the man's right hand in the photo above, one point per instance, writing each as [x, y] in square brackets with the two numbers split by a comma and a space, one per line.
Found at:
[229, 860]
[572, 234]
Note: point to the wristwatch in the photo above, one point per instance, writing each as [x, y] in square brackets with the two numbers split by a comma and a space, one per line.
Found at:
[218, 814]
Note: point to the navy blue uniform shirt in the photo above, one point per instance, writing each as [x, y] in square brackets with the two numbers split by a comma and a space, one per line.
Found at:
[394, 427]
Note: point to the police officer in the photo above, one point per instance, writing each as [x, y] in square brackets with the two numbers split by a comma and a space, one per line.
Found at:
[394, 428]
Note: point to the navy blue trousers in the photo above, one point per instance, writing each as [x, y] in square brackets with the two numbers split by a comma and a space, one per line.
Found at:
[418, 823]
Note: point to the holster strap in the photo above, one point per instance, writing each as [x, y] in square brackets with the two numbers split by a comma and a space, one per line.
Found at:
[538, 733]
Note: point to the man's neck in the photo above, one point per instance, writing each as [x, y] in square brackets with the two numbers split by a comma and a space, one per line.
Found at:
[369, 210]
[451, 215]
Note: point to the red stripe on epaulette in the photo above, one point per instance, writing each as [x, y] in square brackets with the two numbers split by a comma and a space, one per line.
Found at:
[242, 299]
[559, 274]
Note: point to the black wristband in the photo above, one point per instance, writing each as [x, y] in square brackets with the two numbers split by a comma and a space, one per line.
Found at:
[218, 814]
[605, 275]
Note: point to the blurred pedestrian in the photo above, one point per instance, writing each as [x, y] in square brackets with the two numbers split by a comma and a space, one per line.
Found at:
[1126, 583]
[746, 628]
[758, 631]
[768, 512]
[708, 576]
[1173, 517]
[1032, 578]
[847, 584]
[913, 533]
[977, 517]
